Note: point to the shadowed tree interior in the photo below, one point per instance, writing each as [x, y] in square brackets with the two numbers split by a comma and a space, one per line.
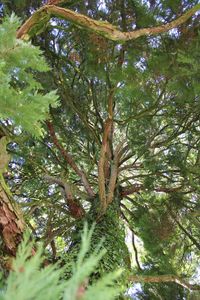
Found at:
[115, 143]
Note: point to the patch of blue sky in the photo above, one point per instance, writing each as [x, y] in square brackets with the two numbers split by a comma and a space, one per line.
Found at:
[141, 64]
[102, 6]
[134, 290]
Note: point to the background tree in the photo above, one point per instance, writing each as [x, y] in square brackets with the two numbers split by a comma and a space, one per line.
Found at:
[122, 148]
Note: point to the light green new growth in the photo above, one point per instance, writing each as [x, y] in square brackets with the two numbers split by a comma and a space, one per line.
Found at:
[30, 281]
[21, 97]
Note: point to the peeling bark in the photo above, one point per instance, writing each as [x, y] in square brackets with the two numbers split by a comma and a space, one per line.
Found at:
[11, 223]
[102, 28]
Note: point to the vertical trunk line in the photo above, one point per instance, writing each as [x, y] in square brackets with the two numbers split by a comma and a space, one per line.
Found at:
[11, 223]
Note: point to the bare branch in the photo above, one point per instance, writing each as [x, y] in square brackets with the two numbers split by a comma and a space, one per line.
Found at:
[102, 28]
[101, 175]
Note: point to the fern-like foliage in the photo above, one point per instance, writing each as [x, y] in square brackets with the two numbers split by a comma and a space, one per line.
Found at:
[29, 280]
[21, 97]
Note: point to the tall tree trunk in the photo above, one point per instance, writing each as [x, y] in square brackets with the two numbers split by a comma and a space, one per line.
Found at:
[11, 222]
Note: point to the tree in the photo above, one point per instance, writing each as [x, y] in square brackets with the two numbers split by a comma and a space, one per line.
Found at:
[122, 147]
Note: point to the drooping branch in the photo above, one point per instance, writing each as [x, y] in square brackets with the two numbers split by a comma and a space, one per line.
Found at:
[68, 158]
[105, 29]
[163, 278]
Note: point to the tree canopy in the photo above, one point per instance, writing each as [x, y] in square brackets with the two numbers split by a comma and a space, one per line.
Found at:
[99, 123]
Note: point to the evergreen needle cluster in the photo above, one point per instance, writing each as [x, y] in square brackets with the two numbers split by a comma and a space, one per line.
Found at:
[29, 280]
[21, 96]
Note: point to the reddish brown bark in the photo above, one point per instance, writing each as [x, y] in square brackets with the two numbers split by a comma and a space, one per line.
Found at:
[11, 223]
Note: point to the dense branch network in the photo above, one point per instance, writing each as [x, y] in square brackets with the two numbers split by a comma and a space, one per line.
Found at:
[108, 159]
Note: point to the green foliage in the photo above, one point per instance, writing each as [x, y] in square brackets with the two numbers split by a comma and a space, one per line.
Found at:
[109, 231]
[156, 109]
[29, 280]
[21, 97]
[4, 156]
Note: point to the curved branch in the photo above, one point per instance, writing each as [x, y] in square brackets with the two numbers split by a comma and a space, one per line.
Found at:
[105, 29]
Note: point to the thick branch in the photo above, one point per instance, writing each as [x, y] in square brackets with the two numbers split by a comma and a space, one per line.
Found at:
[70, 161]
[163, 278]
[102, 159]
[102, 28]
[109, 150]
